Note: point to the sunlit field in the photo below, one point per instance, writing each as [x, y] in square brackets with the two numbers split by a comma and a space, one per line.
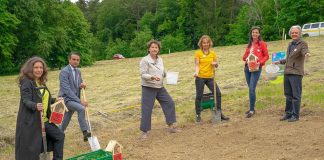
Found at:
[114, 94]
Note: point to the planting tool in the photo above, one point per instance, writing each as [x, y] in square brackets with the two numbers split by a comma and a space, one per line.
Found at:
[93, 140]
[44, 155]
[216, 113]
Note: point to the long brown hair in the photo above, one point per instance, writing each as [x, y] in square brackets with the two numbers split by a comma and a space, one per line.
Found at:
[250, 35]
[26, 70]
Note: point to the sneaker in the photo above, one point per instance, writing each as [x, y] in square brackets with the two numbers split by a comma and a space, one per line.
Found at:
[293, 119]
[86, 135]
[247, 112]
[198, 118]
[173, 130]
[250, 114]
[144, 135]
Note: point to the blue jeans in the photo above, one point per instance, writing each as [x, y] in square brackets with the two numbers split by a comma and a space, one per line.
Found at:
[293, 92]
[252, 79]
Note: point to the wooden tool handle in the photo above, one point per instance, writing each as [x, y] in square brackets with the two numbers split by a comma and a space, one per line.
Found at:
[86, 108]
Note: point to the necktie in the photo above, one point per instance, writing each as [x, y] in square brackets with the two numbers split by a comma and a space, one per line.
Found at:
[75, 77]
[73, 72]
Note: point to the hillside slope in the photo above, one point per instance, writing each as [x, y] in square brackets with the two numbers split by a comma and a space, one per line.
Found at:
[114, 95]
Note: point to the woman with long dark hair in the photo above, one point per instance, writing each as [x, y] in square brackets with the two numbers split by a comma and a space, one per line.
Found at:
[35, 100]
[257, 50]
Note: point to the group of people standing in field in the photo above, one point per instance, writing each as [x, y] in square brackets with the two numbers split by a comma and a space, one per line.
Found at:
[36, 97]
[152, 74]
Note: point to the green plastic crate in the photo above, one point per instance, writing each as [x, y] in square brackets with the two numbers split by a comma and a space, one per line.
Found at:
[96, 155]
[207, 101]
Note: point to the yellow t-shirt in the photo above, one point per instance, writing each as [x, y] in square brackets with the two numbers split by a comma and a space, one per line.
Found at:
[205, 61]
[45, 99]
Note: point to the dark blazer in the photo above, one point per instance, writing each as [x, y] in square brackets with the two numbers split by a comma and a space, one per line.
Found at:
[28, 128]
[295, 58]
[69, 88]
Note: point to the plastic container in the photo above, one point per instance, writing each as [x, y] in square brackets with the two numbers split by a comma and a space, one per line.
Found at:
[207, 101]
[96, 155]
[172, 77]
[272, 71]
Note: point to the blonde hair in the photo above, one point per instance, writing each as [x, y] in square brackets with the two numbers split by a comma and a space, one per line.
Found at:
[205, 37]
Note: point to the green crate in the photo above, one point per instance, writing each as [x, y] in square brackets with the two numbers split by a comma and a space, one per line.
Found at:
[96, 155]
[207, 101]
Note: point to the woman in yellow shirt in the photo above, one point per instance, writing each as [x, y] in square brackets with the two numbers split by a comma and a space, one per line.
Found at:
[205, 61]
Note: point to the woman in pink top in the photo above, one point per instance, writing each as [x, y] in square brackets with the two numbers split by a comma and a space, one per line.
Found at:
[257, 48]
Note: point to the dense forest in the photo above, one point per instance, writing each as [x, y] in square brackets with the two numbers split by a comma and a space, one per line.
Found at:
[98, 29]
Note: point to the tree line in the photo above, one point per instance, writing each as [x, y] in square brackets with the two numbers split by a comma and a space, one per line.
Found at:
[98, 29]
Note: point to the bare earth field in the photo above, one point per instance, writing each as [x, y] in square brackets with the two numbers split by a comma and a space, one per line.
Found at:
[262, 137]
[114, 95]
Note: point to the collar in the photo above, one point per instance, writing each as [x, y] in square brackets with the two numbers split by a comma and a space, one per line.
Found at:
[72, 68]
[296, 42]
[150, 60]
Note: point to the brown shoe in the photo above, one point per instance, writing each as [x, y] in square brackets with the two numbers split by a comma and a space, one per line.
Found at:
[224, 118]
[285, 117]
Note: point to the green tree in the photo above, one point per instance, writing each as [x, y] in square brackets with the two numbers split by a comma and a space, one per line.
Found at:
[118, 47]
[138, 44]
[187, 23]
[28, 31]
[8, 40]
[172, 44]
[239, 30]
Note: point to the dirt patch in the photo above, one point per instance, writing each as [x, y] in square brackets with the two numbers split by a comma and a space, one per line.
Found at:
[261, 137]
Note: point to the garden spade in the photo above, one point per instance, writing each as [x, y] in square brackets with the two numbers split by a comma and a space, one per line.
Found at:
[44, 155]
[216, 113]
[93, 140]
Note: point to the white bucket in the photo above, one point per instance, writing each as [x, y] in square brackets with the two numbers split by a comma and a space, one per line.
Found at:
[172, 77]
[94, 143]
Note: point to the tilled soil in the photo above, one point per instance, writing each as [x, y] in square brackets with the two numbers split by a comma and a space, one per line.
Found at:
[261, 137]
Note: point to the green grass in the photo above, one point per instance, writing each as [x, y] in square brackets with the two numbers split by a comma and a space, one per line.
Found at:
[115, 84]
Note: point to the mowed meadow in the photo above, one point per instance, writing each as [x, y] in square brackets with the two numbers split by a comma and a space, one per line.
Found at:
[114, 92]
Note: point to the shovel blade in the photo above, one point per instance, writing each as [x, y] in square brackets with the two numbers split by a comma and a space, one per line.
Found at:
[216, 116]
[94, 143]
[44, 156]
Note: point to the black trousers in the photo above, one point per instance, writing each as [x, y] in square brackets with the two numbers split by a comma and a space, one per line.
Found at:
[200, 84]
[55, 137]
[293, 92]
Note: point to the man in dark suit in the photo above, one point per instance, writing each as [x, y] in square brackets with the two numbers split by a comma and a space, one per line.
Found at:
[70, 85]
